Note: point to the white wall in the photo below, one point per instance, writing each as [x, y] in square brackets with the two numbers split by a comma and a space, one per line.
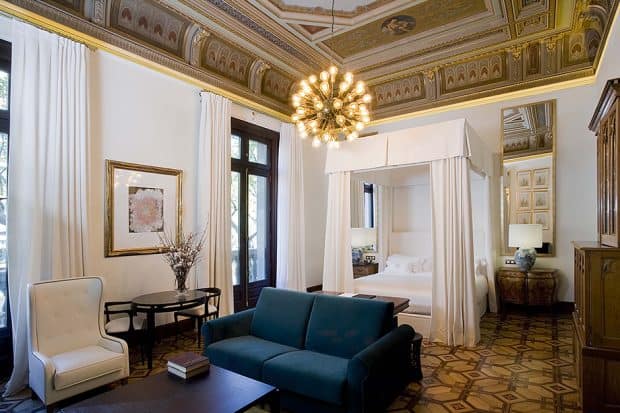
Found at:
[139, 115]
[576, 157]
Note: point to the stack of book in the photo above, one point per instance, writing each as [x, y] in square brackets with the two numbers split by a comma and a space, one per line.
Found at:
[188, 365]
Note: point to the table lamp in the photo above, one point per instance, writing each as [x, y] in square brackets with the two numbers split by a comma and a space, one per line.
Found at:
[525, 237]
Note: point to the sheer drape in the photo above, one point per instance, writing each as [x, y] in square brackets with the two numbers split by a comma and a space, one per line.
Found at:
[48, 160]
[453, 315]
[337, 262]
[384, 223]
[213, 196]
[291, 261]
[357, 203]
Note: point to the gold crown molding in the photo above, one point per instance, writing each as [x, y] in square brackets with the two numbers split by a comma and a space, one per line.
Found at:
[567, 81]
[95, 37]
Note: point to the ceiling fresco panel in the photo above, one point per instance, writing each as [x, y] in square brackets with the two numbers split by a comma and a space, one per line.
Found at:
[406, 23]
[226, 60]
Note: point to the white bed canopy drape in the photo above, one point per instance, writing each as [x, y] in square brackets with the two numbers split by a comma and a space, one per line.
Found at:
[453, 150]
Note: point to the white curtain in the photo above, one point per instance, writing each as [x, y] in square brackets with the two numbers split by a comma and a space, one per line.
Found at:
[338, 261]
[291, 260]
[48, 159]
[213, 196]
[454, 319]
[384, 223]
[357, 203]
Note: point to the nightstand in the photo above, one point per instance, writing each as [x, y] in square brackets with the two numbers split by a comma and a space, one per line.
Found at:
[362, 270]
[538, 287]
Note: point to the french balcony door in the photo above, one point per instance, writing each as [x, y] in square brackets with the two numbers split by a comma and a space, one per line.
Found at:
[253, 211]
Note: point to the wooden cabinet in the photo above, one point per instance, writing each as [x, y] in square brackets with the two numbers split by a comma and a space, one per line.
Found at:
[605, 123]
[597, 326]
[537, 287]
[597, 273]
[363, 270]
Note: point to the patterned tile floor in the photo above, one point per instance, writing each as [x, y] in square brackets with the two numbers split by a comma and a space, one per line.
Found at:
[522, 364]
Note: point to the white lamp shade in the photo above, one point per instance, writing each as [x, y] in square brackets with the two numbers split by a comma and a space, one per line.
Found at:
[525, 235]
[361, 237]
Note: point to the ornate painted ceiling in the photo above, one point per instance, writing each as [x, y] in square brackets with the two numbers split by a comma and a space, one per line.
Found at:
[414, 54]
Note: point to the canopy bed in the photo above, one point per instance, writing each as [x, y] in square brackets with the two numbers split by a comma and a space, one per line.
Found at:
[447, 298]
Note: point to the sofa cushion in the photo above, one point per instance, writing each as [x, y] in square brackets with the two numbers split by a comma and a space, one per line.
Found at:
[245, 355]
[343, 327]
[310, 374]
[282, 316]
[77, 366]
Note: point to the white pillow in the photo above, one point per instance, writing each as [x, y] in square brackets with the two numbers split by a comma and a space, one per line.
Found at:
[401, 263]
[427, 264]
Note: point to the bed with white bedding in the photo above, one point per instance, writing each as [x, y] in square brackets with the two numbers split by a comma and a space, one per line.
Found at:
[410, 277]
[417, 287]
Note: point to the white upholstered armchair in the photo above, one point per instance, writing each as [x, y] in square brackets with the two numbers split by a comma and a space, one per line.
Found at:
[69, 350]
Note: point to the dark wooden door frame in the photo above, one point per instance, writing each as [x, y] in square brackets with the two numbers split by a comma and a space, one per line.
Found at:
[246, 294]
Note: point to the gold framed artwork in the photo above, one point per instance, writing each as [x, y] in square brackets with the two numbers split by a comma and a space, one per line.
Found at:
[541, 178]
[524, 179]
[540, 199]
[542, 218]
[524, 201]
[142, 201]
[524, 218]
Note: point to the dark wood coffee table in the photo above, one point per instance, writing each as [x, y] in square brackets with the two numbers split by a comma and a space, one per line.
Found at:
[400, 304]
[218, 391]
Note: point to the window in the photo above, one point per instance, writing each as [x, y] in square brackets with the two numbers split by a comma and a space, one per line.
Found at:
[253, 210]
[369, 206]
[6, 357]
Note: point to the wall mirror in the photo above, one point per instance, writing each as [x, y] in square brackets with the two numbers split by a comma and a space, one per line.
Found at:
[363, 208]
[528, 171]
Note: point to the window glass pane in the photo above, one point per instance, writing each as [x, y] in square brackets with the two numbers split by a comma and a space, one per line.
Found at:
[4, 90]
[257, 152]
[257, 227]
[3, 282]
[235, 147]
[235, 205]
[4, 155]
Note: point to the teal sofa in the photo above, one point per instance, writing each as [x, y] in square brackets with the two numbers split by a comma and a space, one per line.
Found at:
[324, 353]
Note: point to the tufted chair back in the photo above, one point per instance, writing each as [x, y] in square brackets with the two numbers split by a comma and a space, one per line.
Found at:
[65, 314]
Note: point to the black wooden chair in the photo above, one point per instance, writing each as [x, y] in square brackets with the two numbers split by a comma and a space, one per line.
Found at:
[121, 326]
[210, 309]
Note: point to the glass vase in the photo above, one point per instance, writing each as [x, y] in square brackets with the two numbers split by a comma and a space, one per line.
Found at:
[180, 276]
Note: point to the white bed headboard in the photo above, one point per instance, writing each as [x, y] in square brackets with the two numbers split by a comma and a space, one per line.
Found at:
[416, 244]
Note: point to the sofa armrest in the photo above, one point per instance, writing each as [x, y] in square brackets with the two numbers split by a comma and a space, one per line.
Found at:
[377, 374]
[41, 373]
[233, 325]
[114, 344]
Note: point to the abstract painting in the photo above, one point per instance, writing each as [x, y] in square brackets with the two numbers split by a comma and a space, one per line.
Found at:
[146, 209]
[142, 202]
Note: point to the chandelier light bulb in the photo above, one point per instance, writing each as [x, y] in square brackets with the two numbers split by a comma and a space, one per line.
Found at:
[354, 135]
[365, 118]
[348, 77]
[324, 75]
[340, 120]
[359, 126]
[337, 103]
[295, 117]
[303, 134]
[324, 87]
[344, 86]
[318, 105]
[312, 79]
[360, 88]
[300, 111]
[367, 98]
[333, 70]
[316, 142]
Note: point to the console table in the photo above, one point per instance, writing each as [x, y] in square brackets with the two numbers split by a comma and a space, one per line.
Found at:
[163, 302]
[362, 270]
[538, 287]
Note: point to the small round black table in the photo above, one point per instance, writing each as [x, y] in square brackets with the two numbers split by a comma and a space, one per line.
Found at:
[163, 302]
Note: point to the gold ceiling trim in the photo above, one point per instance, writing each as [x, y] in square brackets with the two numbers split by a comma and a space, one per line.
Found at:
[94, 43]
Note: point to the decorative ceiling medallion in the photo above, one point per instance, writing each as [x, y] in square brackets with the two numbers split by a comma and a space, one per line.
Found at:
[398, 25]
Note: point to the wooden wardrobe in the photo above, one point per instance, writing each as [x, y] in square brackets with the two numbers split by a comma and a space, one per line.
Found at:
[597, 273]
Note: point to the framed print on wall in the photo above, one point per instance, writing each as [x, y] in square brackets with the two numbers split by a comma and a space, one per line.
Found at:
[524, 218]
[524, 201]
[541, 199]
[141, 202]
[524, 179]
[541, 178]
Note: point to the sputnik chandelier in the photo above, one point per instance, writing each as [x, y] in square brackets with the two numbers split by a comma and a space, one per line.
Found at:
[330, 107]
